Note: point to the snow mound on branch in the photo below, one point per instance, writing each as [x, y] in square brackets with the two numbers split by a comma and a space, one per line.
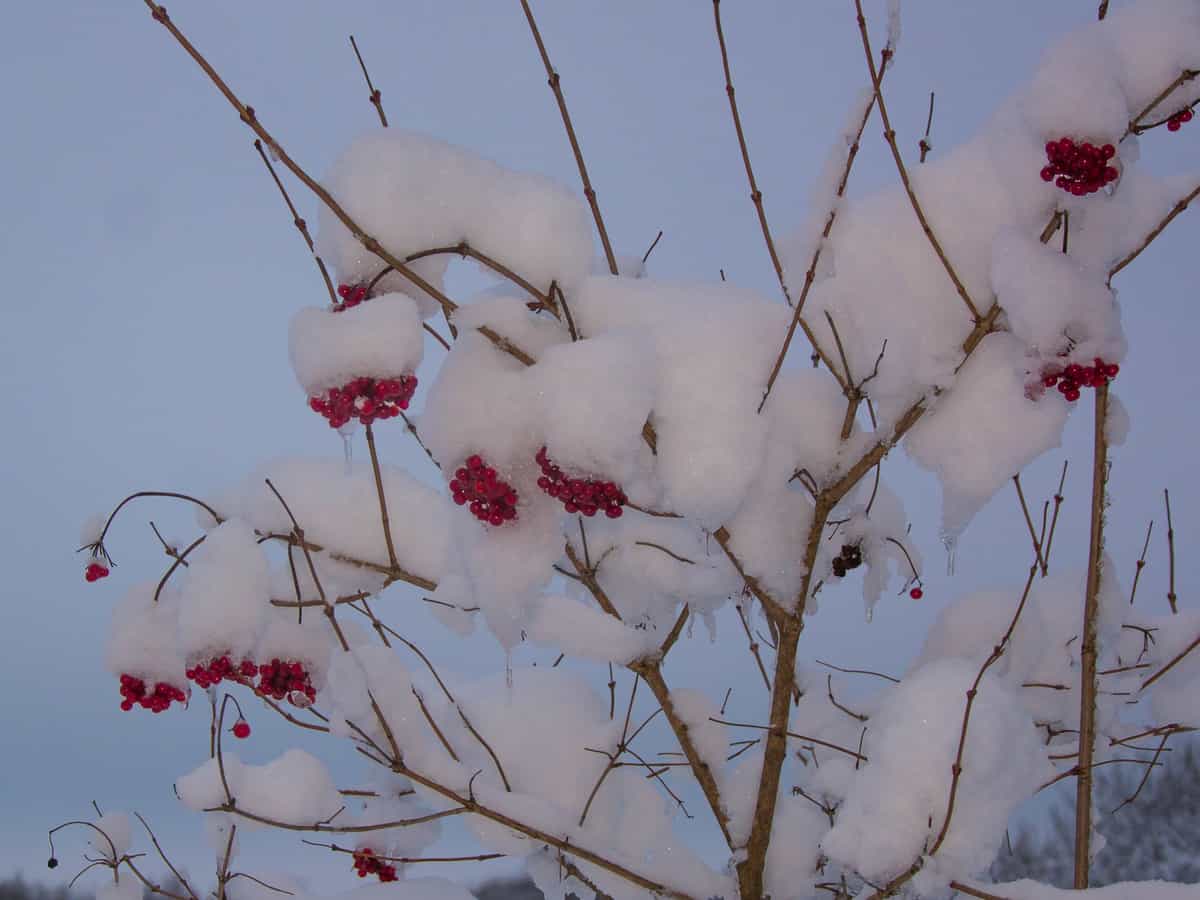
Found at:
[414, 193]
[987, 205]
[984, 430]
[340, 512]
[381, 338]
[883, 824]
[294, 788]
[143, 639]
[708, 345]
[223, 601]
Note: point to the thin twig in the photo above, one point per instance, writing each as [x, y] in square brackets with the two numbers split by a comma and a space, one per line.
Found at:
[1155, 231]
[298, 221]
[890, 135]
[383, 509]
[1088, 650]
[376, 95]
[1141, 563]
[556, 86]
[1170, 553]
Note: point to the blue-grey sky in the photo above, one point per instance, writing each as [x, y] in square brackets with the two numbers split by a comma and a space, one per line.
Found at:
[152, 270]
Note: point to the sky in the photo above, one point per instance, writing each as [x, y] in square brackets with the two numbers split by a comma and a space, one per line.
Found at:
[152, 269]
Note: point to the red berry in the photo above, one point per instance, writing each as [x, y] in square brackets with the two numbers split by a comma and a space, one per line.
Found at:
[95, 571]
[916, 593]
[241, 729]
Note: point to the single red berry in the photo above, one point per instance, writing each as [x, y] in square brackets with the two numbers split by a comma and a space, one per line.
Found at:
[916, 593]
[241, 729]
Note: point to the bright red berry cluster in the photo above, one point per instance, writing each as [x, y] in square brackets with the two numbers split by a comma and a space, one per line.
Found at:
[220, 668]
[1073, 377]
[133, 690]
[241, 729]
[365, 399]
[282, 678]
[352, 295]
[1079, 169]
[491, 500]
[1180, 119]
[582, 495]
[95, 571]
[367, 863]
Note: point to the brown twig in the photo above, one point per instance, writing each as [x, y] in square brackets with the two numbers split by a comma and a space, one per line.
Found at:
[1135, 125]
[383, 510]
[376, 96]
[1174, 661]
[857, 671]
[1037, 546]
[923, 145]
[755, 194]
[1058, 501]
[1155, 231]
[1141, 563]
[762, 669]
[556, 86]
[890, 135]
[1170, 553]
[298, 221]
[179, 561]
[1088, 650]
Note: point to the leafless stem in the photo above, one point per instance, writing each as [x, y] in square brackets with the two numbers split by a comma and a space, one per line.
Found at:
[556, 86]
[376, 96]
[1170, 553]
[890, 135]
[1037, 546]
[298, 221]
[383, 510]
[1155, 231]
[1088, 650]
[1141, 563]
[857, 671]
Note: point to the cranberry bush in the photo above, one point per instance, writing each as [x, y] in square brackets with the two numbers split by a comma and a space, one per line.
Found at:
[632, 454]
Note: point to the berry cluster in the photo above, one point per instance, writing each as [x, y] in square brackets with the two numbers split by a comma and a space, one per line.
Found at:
[1073, 377]
[241, 729]
[1079, 169]
[367, 863]
[849, 558]
[491, 500]
[134, 691]
[220, 668]
[1179, 119]
[281, 678]
[95, 571]
[582, 495]
[352, 295]
[365, 399]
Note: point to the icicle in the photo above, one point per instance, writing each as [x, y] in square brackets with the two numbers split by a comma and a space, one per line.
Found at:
[347, 433]
[950, 542]
[508, 679]
[870, 614]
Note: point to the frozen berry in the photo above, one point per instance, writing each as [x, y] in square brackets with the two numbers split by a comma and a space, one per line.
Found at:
[477, 486]
[1079, 169]
[365, 399]
[241, 729]
[579, 495]
[916, 593]
[95, 571]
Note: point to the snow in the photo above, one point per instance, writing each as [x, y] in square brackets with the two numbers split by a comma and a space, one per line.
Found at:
[380, 338]
[223, 599]
[894, 809]
[293, 788]
[415, 193]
